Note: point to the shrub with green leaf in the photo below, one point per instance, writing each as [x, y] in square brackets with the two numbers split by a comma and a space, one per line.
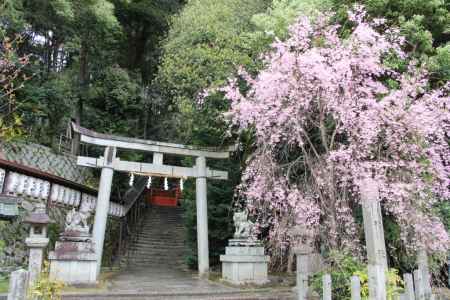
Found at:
[342, 266]
[45, 288]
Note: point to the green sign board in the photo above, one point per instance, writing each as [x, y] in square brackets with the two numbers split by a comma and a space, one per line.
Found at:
[8, 207]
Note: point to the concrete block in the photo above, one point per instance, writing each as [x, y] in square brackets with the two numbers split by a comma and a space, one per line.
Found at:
[18, 285]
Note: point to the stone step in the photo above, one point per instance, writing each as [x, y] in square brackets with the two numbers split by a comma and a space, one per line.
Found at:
[156, 264]
[157, 260]
[163, 259]
[157, 247]
[166, 237]
[186, 295]
[157, 257]
[158, 226]
[156, 250]
[160, 241]
[168, 240]
[158, 220]
[162, 234]
[163, 217]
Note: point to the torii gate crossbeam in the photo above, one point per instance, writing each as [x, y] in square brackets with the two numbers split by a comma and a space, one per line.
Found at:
[109, 162]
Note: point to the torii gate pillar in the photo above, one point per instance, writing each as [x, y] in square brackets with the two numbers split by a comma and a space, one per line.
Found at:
[202, 217]
[102, 208]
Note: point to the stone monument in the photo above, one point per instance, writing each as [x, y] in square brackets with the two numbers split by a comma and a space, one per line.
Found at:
[74, 261]
[244, 261]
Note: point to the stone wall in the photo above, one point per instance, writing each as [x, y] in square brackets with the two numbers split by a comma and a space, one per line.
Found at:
[45, 159]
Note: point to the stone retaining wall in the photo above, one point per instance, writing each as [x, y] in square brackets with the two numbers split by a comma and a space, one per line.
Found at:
[45, 159]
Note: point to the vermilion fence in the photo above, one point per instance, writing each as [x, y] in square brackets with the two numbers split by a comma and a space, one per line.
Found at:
[164, 198]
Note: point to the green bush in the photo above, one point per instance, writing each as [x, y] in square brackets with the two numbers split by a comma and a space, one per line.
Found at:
[342, 266]
[45, 288]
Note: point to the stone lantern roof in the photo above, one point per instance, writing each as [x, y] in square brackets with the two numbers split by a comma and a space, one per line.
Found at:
[37, 218]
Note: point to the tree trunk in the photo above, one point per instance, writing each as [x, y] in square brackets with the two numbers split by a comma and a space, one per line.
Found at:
[82, 94]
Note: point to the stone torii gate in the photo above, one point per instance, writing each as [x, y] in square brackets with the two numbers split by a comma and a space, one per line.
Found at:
[110, 162]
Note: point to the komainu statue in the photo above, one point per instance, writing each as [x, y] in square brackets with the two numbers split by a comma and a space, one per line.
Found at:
[242, 224]
[77, 221]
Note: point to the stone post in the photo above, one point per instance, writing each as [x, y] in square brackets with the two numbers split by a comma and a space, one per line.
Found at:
[422, 265]
[418, 285]
[303, 272]
[202, 217]
[18, 285]
[409, 286]
[448, 269]
[101, 211]
[373, 230]
[326, 286]
[355, 288]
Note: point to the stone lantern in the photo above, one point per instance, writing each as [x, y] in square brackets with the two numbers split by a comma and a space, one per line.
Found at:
[308, 261]
[37, 240]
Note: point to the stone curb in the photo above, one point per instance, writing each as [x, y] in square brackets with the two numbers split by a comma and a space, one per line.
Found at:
[184, 293]
[265, 293]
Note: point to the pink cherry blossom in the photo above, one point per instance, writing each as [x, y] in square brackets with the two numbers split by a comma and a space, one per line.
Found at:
[324, 119]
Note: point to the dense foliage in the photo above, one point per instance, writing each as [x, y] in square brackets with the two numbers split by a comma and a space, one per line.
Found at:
[207, 40]
[87, 55]
[425, 25]
[11, 79]
[325, 119]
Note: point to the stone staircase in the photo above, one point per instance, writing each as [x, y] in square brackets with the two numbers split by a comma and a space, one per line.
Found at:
[161, 240]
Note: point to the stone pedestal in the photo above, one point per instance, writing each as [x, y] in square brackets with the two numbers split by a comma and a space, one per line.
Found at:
[74, 262]
[244, 262]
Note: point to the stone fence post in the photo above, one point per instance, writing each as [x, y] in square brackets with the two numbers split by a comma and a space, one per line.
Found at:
[18, 285]
[422, 266]
[355, 288]
[304, 255]
[326, 287]
[374, 233]
[409, 286]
